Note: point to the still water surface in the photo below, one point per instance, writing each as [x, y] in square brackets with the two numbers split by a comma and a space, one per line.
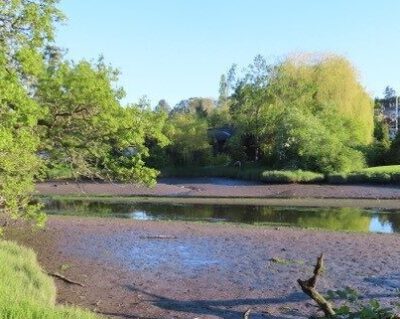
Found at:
[340, 219]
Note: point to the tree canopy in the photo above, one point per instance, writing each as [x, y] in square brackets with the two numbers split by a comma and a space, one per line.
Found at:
[288, 110]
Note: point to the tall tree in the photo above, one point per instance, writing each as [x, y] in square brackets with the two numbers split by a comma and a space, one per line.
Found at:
[26, 28]
[389, 92]
[307, 113]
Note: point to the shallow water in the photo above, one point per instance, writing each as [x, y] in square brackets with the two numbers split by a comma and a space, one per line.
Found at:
[339, 219]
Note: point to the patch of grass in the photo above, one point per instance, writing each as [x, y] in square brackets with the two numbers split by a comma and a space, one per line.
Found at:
[65, 267]
[297, 176]
[283, 261]
[26, 291]
[372, 175]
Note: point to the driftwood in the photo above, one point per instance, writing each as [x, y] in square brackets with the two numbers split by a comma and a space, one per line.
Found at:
[65, 279]
[246, 314]
[158, 237]
[308, 287]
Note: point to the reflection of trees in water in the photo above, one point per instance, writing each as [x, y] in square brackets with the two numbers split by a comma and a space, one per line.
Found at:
[327, 218]
[393, 218]
[79, 208]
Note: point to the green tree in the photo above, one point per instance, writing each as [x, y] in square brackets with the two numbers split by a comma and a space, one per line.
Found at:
[87, 130]
[189, 140]
[26, 27]
[309, 113]
[163, 106]
[202, 107]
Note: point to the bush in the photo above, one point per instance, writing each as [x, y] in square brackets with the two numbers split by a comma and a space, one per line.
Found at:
[26, 291]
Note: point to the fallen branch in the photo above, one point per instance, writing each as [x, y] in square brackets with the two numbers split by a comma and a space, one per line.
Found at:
[158, 237]
[246, 315]
[308, 287]
[65, 279]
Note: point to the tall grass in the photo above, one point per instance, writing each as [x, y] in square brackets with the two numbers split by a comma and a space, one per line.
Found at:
[374, 175]
[25, 291]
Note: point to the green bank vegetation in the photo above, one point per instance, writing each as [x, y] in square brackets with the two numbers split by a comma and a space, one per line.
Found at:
[26, 291]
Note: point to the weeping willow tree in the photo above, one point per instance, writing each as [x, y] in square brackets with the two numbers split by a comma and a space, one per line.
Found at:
[307, 112]
[325, 85]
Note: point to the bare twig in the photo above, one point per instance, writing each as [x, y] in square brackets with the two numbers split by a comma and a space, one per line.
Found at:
[308, 287]
[65, 279]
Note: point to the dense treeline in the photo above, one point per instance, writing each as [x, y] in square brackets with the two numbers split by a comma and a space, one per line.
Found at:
[306, 112]
[65, 119]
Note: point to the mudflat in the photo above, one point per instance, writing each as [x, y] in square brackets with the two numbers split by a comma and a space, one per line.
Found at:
[221, 187]
[149, 269]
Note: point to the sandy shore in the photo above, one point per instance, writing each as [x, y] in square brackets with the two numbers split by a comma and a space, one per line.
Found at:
[217, 187]
[206, 270]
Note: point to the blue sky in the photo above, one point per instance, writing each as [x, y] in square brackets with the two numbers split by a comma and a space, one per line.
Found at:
[176, 49]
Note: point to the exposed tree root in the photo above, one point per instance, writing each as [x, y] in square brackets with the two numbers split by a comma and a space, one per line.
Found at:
[308, 287]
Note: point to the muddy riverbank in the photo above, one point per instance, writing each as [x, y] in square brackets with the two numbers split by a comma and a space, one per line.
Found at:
[223, 188]
[134, 269]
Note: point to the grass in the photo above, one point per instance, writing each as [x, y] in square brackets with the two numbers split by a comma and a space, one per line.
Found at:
[372, 175]
[249, 173]
[26, 291]
[297, 176]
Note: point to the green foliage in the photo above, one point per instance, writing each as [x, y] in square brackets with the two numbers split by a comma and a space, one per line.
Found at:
[297, 176]
[189, 140]
[201, 107]
[394, 151]
[26, 292]
[85, 127]
[307, 113]
[353, 307]
[378, 152]
[26, 28]
[378, 175]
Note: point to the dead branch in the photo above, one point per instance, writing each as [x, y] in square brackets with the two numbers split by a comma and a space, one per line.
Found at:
[158, 237]
[246, 314]
[65, 279]
[308, 287]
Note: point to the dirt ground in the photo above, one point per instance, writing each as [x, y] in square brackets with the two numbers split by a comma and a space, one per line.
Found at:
[219, 187]
[206, 270]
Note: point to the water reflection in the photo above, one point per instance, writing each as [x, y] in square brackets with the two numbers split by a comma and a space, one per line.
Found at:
[345, 219]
